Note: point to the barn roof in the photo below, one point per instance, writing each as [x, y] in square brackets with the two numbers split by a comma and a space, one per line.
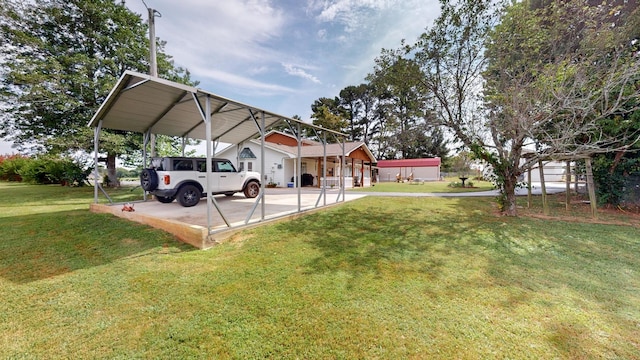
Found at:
[429, 162]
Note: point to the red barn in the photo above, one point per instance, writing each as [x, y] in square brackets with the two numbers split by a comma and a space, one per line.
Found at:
[421, 169]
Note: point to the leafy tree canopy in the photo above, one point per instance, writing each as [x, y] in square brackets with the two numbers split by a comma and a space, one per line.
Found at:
[59, 60]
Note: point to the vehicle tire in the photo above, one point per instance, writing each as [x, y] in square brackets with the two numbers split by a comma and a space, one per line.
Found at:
[229, 193]
[189, 195]
[149, 179]
[165, 199]
[252, 189]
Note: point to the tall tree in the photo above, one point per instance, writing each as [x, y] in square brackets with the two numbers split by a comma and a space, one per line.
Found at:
[351, 99]
[59, 60]
[404, 101]
[329, 114]
[539, 90]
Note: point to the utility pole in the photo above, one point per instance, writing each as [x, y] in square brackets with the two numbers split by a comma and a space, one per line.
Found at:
[153, 63]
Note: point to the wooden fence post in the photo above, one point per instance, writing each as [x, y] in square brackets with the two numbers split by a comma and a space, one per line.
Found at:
[591, 187]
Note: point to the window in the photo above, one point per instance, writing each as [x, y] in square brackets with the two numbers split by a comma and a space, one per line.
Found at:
[246, 153]
[303, 167]
[249, 166]
[241, 166]
[225, 166]
[183, 165]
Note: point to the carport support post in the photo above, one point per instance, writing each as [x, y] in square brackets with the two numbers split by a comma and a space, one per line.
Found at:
[208, 165]
[344, 165]
[145, 164]
[297, 179]
[96, 147]
[262, 161]
[324, 158]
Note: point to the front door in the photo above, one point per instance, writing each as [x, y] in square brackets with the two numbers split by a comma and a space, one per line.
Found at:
[228, 177]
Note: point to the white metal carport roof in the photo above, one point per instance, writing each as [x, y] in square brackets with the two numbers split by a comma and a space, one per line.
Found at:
[142, 103]
[150, 105]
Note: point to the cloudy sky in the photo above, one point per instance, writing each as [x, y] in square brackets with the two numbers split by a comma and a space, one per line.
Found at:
[281, 55]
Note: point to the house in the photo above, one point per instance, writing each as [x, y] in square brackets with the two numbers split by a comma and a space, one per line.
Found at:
[423, 169]
[281, 154]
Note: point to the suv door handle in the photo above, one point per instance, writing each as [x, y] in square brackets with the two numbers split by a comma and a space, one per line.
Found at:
[224, 176]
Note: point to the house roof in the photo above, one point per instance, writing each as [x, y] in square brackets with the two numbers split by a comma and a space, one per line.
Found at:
[274, 133]
[318, 150]
[141, 103]
[429, 162]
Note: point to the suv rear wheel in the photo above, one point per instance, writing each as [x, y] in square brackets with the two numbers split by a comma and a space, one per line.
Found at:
[189, 195]
[252, 189]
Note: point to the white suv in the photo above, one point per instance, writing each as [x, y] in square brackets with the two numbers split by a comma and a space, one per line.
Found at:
[184, 179]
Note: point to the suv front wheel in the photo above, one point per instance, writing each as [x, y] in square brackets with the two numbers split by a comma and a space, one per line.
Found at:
[189, 195]
[252, 189]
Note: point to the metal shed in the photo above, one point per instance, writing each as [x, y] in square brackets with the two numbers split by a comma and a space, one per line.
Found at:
[151, 105]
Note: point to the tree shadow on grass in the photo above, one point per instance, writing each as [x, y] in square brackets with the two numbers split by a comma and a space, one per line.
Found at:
[361, 240]
[548, 262]
[40, 246]
[527, 254]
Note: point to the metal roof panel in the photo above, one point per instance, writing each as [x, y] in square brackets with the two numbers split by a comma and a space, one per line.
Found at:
[140, 102]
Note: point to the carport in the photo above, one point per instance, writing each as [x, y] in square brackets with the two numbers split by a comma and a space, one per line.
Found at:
[151, 105]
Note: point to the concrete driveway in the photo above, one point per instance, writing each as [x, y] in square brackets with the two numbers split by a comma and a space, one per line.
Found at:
[190, 224]
[236, 209]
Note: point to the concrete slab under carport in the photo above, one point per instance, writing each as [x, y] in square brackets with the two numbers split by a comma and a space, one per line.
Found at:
[190, 224]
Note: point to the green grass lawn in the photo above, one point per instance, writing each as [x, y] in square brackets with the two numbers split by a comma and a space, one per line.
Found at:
[426, 187]
[391, 278]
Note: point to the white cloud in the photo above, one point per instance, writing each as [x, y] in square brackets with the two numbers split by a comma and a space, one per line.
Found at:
[322, 34]
[241, 82]
[300, 72]
[222, 32]
[257, 70]
[352, 14]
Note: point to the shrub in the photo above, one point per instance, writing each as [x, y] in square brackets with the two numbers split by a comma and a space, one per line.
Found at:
[10, 167]
[48, 170]
[458, 184]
